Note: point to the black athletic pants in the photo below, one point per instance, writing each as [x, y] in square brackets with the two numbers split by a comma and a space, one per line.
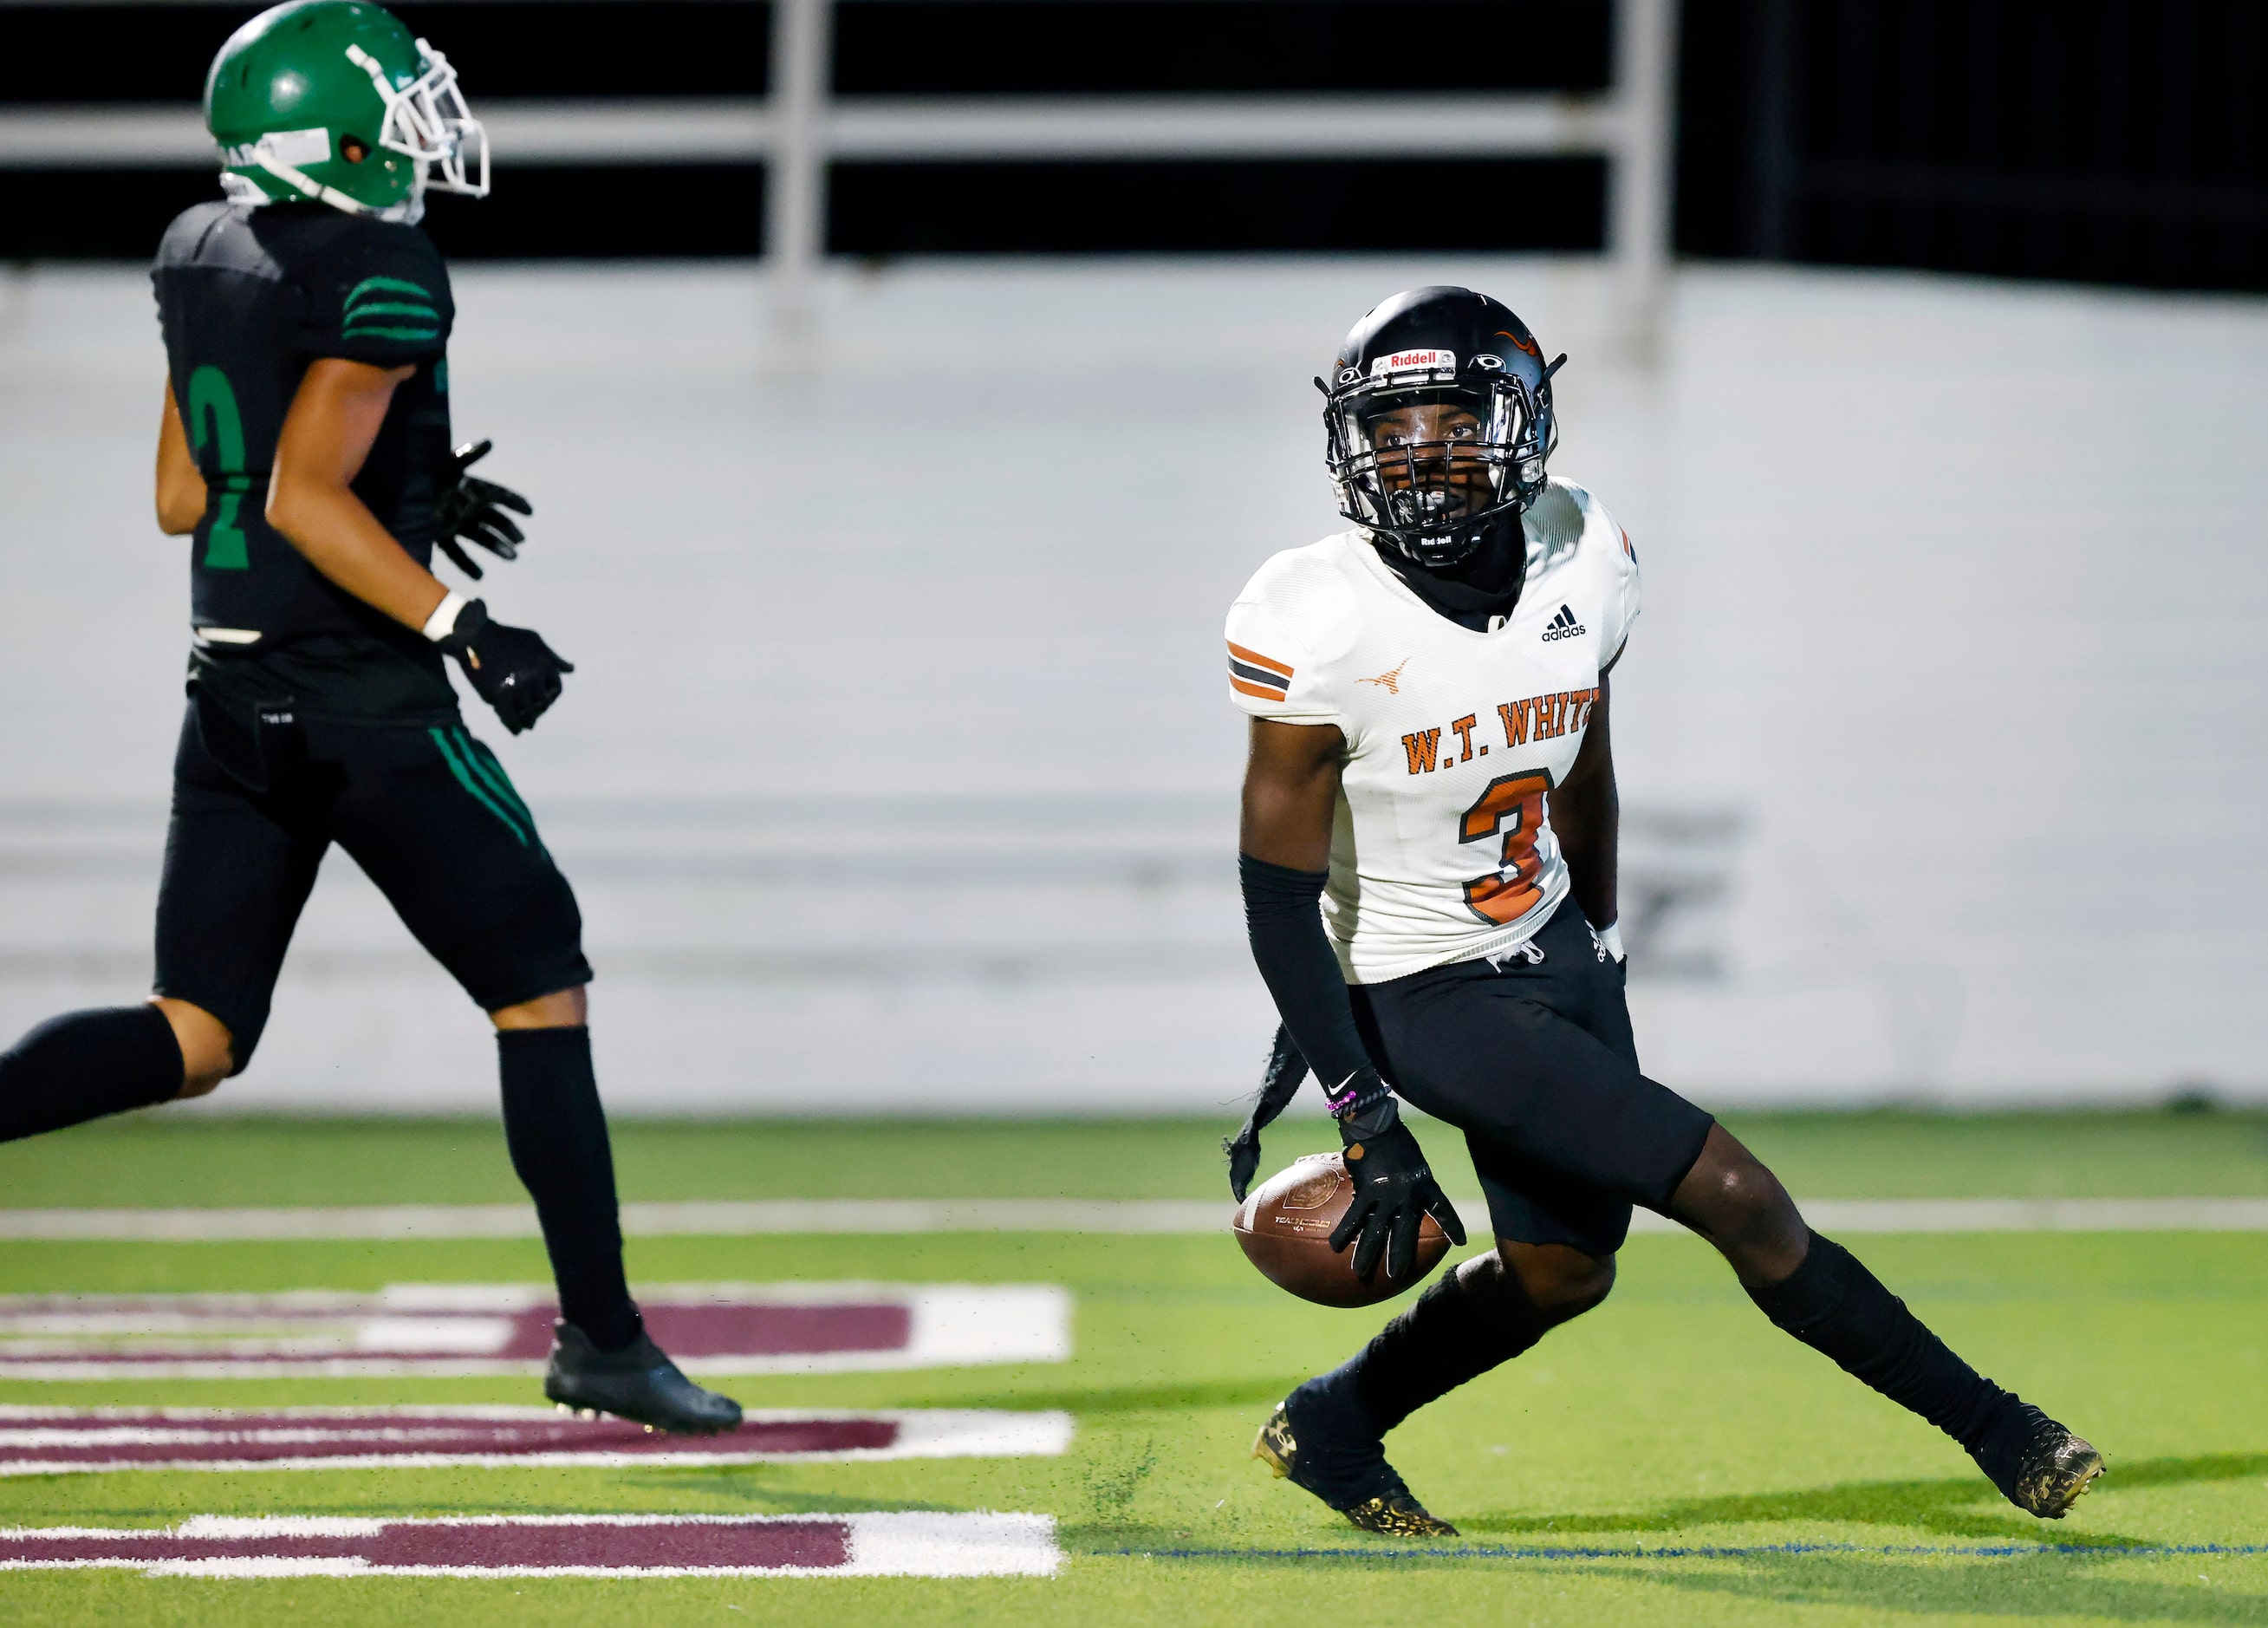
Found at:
[1531, 1058]
[425, 810]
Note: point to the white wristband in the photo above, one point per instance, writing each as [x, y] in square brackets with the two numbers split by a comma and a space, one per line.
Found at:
[443, 621]
[1611, 940]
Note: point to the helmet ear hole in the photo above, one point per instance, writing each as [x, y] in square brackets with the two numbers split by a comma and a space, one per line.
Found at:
[353, 149]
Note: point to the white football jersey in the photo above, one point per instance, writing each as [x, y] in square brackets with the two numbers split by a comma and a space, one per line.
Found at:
[1441, 849]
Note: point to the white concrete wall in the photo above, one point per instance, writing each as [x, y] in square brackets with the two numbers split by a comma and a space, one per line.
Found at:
[897, 770]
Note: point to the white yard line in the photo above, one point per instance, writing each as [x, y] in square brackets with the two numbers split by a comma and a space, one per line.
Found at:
[411, 1222]
[981, 1545]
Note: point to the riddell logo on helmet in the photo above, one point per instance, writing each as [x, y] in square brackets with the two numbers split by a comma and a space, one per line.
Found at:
[1408, 361]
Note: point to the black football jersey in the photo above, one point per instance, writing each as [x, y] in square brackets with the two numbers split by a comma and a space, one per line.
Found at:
[247, 298]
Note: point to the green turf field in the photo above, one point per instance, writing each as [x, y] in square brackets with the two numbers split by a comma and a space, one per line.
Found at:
[187, 1155]
[1669, 1459]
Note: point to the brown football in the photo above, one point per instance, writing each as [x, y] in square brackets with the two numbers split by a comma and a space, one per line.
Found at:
[1284, 1226]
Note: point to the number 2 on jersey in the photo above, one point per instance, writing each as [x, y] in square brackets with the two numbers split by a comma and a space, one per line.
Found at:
[210, 398]
[1513, 804]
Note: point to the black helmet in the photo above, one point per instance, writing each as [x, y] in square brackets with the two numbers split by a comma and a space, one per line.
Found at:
[1438, 347]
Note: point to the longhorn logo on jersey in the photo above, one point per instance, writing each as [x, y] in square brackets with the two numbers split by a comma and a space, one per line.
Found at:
[1390, 682]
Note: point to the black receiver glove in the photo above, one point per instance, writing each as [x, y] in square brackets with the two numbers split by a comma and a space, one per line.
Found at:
[471, 509]
[512, 669]
[1392, 1192]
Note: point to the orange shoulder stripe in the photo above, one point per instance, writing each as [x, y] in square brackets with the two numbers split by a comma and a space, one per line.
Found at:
[1259, 660]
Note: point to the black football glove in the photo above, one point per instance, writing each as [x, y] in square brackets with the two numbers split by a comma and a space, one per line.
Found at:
[512, 669]
[1392, 1192]
[472, 510]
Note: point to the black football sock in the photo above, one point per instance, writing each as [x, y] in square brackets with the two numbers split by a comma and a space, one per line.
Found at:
[1447, 1337]
[1834, 1305]
[84, 1064]
[557, 1135]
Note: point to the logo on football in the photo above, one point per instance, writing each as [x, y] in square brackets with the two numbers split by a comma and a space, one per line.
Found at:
[1284, 1229]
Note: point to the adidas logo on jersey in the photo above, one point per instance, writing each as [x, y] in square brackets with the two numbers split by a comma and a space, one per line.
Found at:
[1564, 626]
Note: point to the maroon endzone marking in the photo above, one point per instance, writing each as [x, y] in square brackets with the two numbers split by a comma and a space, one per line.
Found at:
[788, 1542]
[690, 1331]
[683, 1331]
[442, 1435]
[773, 1331]
[819, 1543]
[531, 1334]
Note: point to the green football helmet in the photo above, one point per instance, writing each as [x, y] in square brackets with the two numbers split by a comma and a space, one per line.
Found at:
[335, 99]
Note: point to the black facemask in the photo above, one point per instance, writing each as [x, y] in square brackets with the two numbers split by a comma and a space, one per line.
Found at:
[1476, 589]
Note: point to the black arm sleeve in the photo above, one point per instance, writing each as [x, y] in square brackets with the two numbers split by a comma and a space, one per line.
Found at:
[1302, 973]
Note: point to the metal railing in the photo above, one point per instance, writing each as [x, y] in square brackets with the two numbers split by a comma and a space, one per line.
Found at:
[802, 127]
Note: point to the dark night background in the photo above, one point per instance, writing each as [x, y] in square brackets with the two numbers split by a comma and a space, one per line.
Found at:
[2110, 141]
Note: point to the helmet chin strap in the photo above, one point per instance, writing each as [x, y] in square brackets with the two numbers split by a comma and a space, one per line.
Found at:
[410, 209]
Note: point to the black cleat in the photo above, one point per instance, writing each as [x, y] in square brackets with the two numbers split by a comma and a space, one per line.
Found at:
[1344, 1467]
[2040, 1466]
[638, 1382]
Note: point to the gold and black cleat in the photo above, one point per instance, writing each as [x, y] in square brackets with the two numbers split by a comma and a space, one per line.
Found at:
[1275, 1446]
[1398, 1515]
[2056, 1470]
[1393, 1513]
[2040, 1466]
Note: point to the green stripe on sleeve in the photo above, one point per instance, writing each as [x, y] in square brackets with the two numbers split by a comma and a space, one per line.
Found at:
[479, 794]
[394, 308]
[387, 285]
[390, 333]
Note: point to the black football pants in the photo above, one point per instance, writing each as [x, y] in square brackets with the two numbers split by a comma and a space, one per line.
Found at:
[425, 810]
[1533, 1061]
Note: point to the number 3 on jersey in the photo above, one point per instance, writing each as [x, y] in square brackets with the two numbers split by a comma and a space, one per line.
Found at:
[213, 417]
[1513, 804]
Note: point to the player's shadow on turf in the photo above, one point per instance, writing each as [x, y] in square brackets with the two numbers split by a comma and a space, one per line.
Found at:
[2050, 1584]
[1955, 1507]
